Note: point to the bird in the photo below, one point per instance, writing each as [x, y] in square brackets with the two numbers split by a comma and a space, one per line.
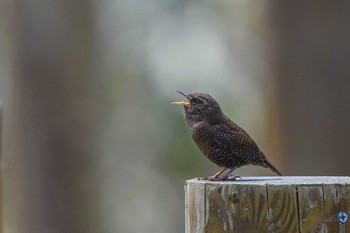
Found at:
[221, 140]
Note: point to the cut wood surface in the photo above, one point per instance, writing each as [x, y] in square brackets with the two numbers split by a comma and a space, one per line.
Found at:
[268, 204]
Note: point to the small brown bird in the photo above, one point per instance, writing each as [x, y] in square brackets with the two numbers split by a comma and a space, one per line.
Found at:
[221, 140]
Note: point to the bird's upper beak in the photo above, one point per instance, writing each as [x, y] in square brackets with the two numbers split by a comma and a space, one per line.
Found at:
[186, 104]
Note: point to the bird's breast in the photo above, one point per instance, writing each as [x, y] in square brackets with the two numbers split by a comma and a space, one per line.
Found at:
[201, 134]
[215, 151]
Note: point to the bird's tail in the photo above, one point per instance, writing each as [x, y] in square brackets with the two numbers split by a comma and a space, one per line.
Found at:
[269, 165]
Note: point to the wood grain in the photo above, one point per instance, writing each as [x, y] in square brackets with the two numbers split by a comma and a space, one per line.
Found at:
[283, 205]
[195, 207]
[311, 209]
[268, 204]
[337, 198]
[236, 208]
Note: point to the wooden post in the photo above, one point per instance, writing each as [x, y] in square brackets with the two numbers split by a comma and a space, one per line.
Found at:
[268, 204]
[1, 170]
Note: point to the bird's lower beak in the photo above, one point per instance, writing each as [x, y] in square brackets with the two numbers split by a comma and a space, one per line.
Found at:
[186, 104]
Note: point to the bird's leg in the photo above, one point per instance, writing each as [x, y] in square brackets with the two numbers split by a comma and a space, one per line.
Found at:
[219, 173]
[226, 176]
[214, 177]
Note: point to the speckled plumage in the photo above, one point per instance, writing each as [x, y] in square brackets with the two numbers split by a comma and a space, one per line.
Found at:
[221, 140]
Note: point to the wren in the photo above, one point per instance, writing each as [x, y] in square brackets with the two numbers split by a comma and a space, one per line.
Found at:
[221, 140]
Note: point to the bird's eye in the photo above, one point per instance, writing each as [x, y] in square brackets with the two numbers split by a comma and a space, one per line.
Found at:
[194, 100]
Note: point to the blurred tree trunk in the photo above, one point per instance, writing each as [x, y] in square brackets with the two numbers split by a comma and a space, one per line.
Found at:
[58, 104]
[311, 47]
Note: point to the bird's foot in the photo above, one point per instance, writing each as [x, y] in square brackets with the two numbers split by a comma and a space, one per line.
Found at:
[210, 178]
[214, 178]
[225, 178]
[201, 178]
[232, 178]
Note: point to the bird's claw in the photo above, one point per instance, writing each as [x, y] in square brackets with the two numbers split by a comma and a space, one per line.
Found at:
[232, 178]
[213, 178]
[210, 178]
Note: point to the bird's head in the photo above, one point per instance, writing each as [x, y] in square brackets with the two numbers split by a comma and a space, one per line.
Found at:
[200, 106]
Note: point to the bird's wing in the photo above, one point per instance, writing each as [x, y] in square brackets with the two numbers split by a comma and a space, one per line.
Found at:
[235, 140]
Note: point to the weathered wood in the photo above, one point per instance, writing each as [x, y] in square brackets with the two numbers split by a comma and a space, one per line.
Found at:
[268, 204]
[311, 208]
[337, 199]
[282, 200]
[195, 208]
[1, 169]
[227, 204]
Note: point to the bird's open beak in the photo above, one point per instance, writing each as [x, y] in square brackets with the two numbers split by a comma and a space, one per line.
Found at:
[186, 104]
[182, 103]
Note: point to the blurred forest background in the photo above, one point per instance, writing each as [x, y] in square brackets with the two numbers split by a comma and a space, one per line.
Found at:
[90, 141]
